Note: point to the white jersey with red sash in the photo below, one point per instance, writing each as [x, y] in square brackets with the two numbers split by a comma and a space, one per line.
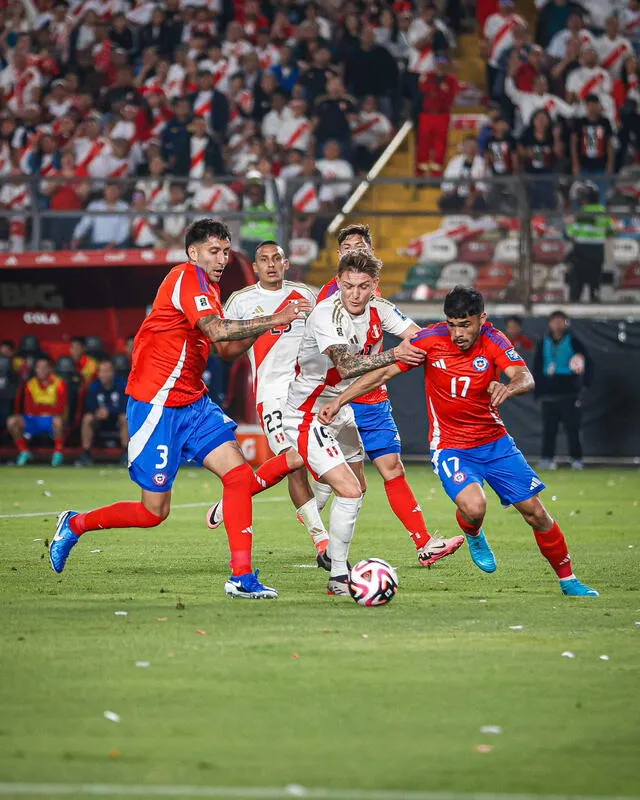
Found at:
[155, 190]
[215, 198]
[294, 134]
[370, 129]
[87, 150]
[306, 199]
[142, 233]
[613, 53]
[273, 356]
[174, 85]
[203, 104]
[498, 33]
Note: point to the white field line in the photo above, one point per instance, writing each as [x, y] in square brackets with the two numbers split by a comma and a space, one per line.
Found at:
[263, 792]
[177, 505]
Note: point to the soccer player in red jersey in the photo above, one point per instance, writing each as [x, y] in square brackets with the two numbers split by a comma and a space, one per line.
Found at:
[380, 437]
[464, 357]
[170, 416]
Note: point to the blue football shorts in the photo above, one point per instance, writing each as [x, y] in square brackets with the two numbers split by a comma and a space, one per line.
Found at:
[499, 463]
[38, 426]
[377, 428]
[162, 437]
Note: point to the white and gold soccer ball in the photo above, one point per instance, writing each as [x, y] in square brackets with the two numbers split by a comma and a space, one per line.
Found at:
[373, 582]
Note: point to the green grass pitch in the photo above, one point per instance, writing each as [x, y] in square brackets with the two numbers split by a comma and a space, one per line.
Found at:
[312, 690]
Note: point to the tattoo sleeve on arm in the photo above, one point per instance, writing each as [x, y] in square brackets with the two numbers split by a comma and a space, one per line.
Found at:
[227, 330]
[350, 366]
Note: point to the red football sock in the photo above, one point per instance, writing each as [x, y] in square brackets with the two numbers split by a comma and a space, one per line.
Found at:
[22, 445]
[405, 506]
[118, 515]
[237, 512]
[553, 547]
[270, 473]
[58, 444]
[465, 527]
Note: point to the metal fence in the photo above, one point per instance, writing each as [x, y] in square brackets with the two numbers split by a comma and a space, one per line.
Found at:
[514, 237]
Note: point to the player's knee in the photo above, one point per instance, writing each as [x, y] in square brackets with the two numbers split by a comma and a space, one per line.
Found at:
[14, 423]
[390, 467]
[294, 459]
[473, 509]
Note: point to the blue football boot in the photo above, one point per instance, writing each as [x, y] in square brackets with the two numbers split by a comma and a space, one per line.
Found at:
[481, 553]
[572, 587]
[63, 542]
[248, 587]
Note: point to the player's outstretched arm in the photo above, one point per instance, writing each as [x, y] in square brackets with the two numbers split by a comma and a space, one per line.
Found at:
[364, 385]
[352, 365]
[229, 351]
[520, 382]
[219, 329]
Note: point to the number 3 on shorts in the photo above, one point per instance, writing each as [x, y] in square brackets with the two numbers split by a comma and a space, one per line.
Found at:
[163, 453]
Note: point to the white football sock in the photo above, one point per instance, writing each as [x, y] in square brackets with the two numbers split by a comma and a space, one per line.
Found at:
[322, 492]
[314, 524]
[342, 524]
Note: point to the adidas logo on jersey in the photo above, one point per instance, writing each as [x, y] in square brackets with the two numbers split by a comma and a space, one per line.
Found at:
[440, 363]
[258, 310]
[535, 482]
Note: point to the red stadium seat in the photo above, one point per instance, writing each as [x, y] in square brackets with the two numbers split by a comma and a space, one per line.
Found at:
[476, 251]
[631, 277]
[549, 251]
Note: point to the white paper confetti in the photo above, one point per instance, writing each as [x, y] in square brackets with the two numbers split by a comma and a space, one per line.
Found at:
[143, 664]
[637, 624]
[95, 551]
[121, 613]
[604, 658]
[112, 716]
[365, 635]
[554, 497]
[37, 540]
[516, 627]
[47, 494]
[306, 566]
[491, 729]
[40, 483]
[630, 546]
[568, 654]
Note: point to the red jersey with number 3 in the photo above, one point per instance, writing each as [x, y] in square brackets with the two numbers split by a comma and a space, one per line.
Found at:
[457, 383]
[170, 351]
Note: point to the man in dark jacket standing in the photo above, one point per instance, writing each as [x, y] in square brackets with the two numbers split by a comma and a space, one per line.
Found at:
[562, 368]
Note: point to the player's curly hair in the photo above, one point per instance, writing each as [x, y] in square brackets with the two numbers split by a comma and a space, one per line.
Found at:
[462, 302]
[355, 230]
[360, 261]
[200, 230]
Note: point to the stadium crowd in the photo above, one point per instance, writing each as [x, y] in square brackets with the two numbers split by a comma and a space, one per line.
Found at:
[118, 104]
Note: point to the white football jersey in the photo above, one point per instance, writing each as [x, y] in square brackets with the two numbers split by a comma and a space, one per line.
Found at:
[331, 324]
[273, 356]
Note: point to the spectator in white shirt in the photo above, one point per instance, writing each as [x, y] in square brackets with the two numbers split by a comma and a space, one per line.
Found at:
[279, 114]
[106, 230]
[612, 48]
[528, 103]
[371, 131]
[173, 225]
[331, 166]
[630, 21]
[460, 194]
[575, 30]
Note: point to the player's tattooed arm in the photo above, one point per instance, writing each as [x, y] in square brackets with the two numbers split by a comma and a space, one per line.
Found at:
[520, 382]
[351, 366]
[219, 329]
[364, 385]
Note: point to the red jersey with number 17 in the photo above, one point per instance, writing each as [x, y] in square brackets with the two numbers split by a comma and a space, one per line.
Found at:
[170, 351]
[457, 382]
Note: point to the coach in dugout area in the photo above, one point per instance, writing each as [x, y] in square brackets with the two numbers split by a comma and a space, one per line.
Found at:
[562, 369]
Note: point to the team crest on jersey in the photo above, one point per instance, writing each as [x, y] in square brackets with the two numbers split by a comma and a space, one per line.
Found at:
[160, 478]
[480, 363]
[202, 302]
[513, 355]
[459, 477]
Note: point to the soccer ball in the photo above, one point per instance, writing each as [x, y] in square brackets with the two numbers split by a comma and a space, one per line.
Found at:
[373, 582]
